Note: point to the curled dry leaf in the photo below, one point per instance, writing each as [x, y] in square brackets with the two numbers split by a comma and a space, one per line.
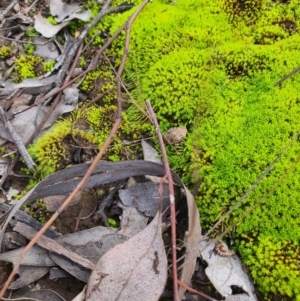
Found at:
[191, 240]
[62, 11]
[226, 272]
[134, 270]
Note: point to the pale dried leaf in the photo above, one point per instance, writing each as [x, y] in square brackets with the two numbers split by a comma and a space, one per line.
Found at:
[45, 49]
[47, 29]
[225, 272]
[135, 270]
[66, 11]
[92, 251]
[132, 221]
[32, 117]
[150, 154]
[191, 240]
[28, 275]
[36, 256]
[145, 197]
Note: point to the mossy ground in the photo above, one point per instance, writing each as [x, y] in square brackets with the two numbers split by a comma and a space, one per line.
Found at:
[212, 66]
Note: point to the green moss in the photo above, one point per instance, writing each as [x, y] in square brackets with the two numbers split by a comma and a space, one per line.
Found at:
[212, 66]
[51, 20]
[48, 65]
[100, 81]
[87, 130]
[5, 52]
[27, 66]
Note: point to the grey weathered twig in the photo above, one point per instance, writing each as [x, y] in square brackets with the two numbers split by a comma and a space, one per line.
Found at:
[53, 246]
[17, 140]
[73, 49]
[287, 76]
[7, 10]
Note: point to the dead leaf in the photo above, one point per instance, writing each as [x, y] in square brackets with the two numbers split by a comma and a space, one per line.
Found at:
[91, 250]
[145, 197]
[36, 256]
[66, 11]
[47, 29]
[28, 275]
[191, 240]
[132, 221]
[45, 49]
[135, 270]
[150, 154]
[225, 272]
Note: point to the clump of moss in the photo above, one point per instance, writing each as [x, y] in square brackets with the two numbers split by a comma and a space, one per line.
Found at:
[177, 84]
[5, 52]
[99, 81]
[274, 265]
[28, 66]
[85, 130]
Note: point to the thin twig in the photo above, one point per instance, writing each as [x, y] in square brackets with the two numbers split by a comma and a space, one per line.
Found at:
[73, 50]
[172, 198]
[91, 67]
[7, 10]
[17, 140]
[271, 165]
[196, 292]
[287, 76]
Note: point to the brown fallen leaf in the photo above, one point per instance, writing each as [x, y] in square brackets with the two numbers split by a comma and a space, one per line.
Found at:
[134, 270]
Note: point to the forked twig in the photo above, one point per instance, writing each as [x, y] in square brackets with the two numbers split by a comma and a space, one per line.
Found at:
[172, 198]
[82, 183]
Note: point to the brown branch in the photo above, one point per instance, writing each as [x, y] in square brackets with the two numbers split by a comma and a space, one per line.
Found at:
[82, 183]
[196, 292]
[172, 198]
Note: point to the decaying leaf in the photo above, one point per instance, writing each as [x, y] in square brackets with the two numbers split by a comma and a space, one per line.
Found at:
[135, 270]
[45, 49]
[191, 239]
[35, 257]
[92, 250]
[28, 275]
[132, 221]
[224, 272]
[33, 116]
[145, 197]
[150, 154]
[47, 29]
[66, 11]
